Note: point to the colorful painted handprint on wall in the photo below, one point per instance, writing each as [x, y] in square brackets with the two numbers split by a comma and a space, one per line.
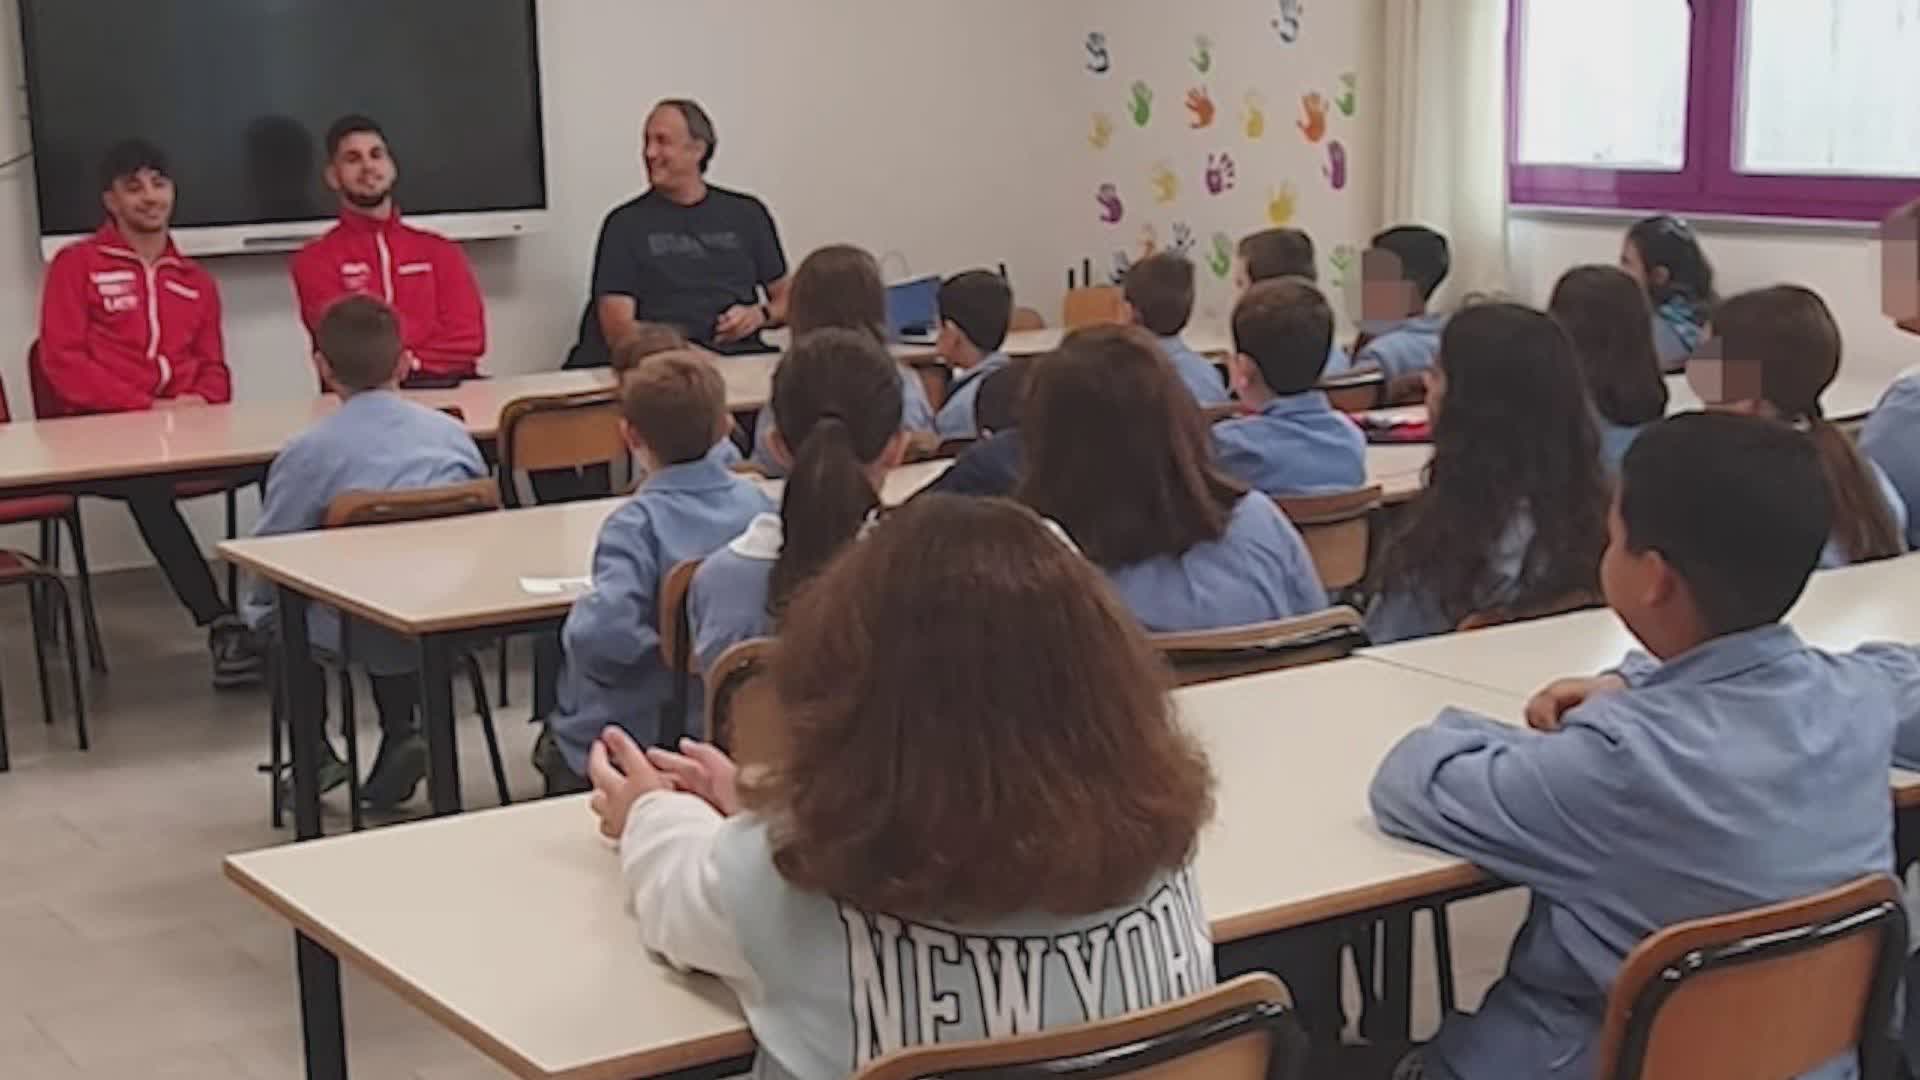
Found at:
[1183, 239]
[1165, 183]
[1200, 105]
[1313, 124]
[1099, 60]
[1220, 258]
[1349, 100]
[1336, 169]
[1220, 174]
[1255, 116]
[1283, 203]
[1202, 58]
[1287, 23]
[1102, 135]
[1342, 261]
[1141, 104]
[1149, 241]
[1112, 210]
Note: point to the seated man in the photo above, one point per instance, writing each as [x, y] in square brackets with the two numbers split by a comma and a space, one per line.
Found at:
[128, 323]
[423, 276]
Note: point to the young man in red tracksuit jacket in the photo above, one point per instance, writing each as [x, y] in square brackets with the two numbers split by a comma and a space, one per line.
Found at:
[128, 323]
[421, 275]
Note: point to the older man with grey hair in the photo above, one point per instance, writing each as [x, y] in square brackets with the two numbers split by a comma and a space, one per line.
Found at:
[686, 253]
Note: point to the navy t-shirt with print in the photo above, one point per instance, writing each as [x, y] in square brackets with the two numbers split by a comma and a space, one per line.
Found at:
[682, 265]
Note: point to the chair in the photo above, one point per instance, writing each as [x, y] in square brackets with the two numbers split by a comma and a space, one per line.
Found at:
[1093, 306]
[1212, 655]
[51, 512]
[740, 704]
[1337, 531]
[1774, 991]
[1026, 319]
[357, 508]
[676, 647]
[1356, 393]
[1240, 1030]
[1577, 600]
[44, 585]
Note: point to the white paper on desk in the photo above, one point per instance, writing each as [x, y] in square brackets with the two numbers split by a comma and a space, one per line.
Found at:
[551, 586]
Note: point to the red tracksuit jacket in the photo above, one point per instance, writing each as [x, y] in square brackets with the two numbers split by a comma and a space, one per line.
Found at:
[424, 276]
[117, 334]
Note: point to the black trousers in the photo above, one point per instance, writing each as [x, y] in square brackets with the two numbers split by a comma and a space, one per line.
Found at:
[174, 548]
[397, 697]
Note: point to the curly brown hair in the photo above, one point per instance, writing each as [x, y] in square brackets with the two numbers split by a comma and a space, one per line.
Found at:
[1017, 753]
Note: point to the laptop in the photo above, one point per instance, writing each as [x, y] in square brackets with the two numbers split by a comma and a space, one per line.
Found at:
[913, 311]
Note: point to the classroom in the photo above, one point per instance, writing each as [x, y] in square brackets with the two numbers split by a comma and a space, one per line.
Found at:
[592, 539]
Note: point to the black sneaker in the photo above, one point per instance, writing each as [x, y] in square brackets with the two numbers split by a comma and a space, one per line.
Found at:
[238, 660]
[333, 774]
[396, 774]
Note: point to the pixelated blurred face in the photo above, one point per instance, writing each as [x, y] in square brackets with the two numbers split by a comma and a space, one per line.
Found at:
[1725, 383]
[1385, 292]
[1900, 270]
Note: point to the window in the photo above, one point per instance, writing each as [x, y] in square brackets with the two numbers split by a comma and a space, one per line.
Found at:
[1786, 108]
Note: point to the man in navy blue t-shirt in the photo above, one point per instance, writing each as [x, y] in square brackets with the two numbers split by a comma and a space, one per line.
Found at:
[685, 253]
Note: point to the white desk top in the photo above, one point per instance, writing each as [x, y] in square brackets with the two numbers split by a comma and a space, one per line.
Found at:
[1400, 470]
[471, 578]
[530, 890]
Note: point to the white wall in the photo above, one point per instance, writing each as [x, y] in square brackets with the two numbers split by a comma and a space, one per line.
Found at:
[1842, 263]
[952, 134]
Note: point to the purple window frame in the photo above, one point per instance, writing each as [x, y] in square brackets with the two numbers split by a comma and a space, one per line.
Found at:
[1709, 182]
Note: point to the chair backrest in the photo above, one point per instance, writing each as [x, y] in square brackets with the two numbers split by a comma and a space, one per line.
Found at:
[6, 411]
[1577, 600]
[1774, 991]
[1356, 393]
[1211, 655]
[353, 508]
[1338, 531]
[1240, 1030]
[1025, 319]
[676, 648]
[740, 705]
[555, 432]
[1093, 306]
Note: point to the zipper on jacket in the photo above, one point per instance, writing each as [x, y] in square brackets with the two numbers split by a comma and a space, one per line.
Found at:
[153, 327]
[386, 265]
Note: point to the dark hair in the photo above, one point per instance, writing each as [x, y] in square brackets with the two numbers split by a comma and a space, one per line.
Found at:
[351, 124]
[1118, 453]
[1790, 335]
[360, 338]
[1028, 729]
[1278, 253]
[837, 403]
[1666, 242]
[676, 403]
[1606, 314]
[838, 287]
[980, 303]
[1513, 436]
[1737, 505]
[647, 339]
[1161, 289]
[699, 126]
[997, 406]
[1285, 326]
[131, 157]
[1425, 256]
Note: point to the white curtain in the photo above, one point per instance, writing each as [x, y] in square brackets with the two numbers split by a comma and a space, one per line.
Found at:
[1445, 137]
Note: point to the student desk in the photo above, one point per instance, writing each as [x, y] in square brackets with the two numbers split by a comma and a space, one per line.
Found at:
[509, 927]
[469, 589]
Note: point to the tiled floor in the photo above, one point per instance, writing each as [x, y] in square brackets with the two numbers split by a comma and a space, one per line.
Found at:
[125, 953]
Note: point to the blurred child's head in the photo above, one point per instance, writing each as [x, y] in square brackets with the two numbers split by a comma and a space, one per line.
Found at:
[1276, 253]
[1402, 270]
[673, 408]
[1028, 729]
[1665, 257]
[1900, 267]
[1117, 451]
[647, 339]
[836, 412]
[838, 287]
[357, 346]
[1282, 334]
[976, 309]
[1159, 291]
[997, 406]
[1606, 314]
[1719, 522]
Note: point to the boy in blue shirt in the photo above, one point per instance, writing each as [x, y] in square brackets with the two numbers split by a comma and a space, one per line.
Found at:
[1296, 443]
[377, 441]
[1398, 336]
[1891, 438]
[1160, 294]
[675, 410]
[976, 309]
[1271, 254]
[1732, 768]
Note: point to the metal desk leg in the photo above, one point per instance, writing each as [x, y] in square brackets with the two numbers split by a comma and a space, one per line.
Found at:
[323, 1029]
[300, 680]
[436, 700]
[1396, 979]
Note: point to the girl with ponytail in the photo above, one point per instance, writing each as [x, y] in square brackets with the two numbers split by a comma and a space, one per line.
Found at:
[836, 410]
[1777, 351]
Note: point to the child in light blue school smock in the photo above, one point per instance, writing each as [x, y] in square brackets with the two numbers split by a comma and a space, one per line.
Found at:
[976, 308]
[1271, 254]
[1399, 336]
[1665, 257]
[1117, 453]
[1605, 312]
[1295, 443]
[1891, 438]
[1160, 293]
[1513, 515]
[1727, 767]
